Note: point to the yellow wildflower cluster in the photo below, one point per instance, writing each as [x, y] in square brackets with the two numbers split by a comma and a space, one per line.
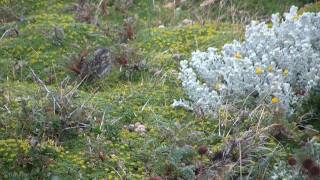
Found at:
[205, 125]
[76, 159]
[183, 39]
[11, 148]
[134, 166]
[260, 70]
[36, 44]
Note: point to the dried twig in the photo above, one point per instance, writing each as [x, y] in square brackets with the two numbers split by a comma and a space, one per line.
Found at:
[4, 34]
[80, 125]
[82, 105]
[46, 88]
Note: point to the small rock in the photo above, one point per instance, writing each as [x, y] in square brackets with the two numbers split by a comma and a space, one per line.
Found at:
[137, 124]
[187, 22]
[131, 128]
[140, 129]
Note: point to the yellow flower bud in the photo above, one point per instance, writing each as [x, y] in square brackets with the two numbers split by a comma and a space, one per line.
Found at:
[275, 100]
[217, 86]
[285, 72]
[259, 70]
[238, 56]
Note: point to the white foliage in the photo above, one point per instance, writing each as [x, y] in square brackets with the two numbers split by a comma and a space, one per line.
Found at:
[182, 103]
[280, 62]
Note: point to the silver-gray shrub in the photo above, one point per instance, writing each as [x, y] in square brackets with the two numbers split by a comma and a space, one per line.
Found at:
[280, 61]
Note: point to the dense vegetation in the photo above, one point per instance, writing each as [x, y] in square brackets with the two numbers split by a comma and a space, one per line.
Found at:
[57, 123]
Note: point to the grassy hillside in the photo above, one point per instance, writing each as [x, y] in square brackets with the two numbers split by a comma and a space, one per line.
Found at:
[53, 125]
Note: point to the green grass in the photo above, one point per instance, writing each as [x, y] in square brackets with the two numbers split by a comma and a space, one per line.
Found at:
[124, 97]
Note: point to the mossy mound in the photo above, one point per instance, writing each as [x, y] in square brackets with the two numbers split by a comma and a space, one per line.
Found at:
[92, 134]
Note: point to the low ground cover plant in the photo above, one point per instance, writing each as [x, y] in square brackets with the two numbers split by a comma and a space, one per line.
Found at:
[277, 63]
[66, 114]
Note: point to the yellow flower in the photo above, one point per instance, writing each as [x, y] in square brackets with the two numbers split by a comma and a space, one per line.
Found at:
[275, 100]
[217, 86]
[296, 18]
[285, 72]
[259, 70]
[270, 68]
[238, 55]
